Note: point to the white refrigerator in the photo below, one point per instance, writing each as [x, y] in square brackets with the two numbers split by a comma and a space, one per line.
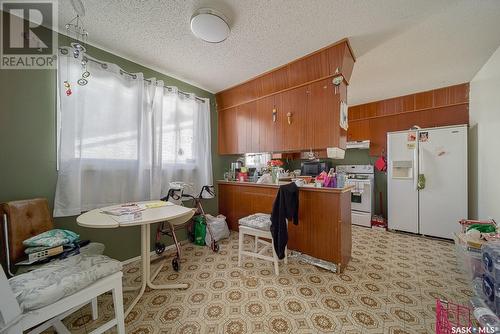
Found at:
[427, 180]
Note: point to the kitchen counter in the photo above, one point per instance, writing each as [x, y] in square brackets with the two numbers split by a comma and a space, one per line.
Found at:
[273, 185]
[324, 228]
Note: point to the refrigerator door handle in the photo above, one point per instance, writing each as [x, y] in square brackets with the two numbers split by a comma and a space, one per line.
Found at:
[415, 168]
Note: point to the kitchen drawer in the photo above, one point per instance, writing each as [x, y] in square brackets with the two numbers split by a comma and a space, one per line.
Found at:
[361, 218]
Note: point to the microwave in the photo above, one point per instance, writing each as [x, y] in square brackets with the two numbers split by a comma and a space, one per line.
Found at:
[314, 168]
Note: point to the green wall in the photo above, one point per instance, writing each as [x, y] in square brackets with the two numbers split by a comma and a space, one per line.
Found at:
[28, 144]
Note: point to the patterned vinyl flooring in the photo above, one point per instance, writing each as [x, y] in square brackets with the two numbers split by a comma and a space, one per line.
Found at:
[390, 286]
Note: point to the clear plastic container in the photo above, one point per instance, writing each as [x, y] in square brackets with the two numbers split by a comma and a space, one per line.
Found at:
[469, 259]
[491, 259]
[486, 318]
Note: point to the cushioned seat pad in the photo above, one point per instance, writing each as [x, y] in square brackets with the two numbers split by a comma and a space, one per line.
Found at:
[56, 280]
[261, 221]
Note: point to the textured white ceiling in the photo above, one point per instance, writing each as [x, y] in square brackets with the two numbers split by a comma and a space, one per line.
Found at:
[402, 46]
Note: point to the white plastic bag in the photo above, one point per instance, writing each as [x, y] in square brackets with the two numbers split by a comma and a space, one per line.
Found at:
[218, 227]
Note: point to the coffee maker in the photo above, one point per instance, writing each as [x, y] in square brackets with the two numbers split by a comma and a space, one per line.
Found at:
[235, 168]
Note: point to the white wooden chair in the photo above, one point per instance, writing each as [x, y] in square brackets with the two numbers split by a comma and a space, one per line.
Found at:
[258, 225]
[40, 299]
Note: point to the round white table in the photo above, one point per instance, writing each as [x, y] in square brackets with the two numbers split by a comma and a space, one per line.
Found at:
[172, 213]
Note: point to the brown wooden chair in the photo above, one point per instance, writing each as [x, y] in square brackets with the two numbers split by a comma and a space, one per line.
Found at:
[24, 219]
[21, 220]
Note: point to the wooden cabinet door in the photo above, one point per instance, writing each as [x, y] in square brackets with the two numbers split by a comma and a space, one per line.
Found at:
[253, 131]
[323, 103]
[264, 114]
[278, 124]
[295, 131]
[227, 132]
[244, 127]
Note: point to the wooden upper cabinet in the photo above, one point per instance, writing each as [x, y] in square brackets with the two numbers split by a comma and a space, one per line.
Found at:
[245, 128]
[242, 93]
[312, 67]
[292, 108]
[297, 135]
[323, 114]
[264, 112]
[278, 126]
[439, 107]
[227, 135]
[340, 59]
[274, 81]
[308, 69]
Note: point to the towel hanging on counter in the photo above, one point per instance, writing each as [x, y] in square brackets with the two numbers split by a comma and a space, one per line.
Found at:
[285, 207]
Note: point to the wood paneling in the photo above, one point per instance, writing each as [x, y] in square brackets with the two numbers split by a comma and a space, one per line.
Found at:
[274, 81]
[227, 139]
[322, 233]
[297, 134]
[264, 111]
[440, 107]
[315, 66]
[359, 130]
[278, 126]
[247, 128]
[308, 69]
[242, 93]
[323, 113]
[315, 115]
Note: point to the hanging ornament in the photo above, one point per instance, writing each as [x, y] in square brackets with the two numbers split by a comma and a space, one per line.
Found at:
[85, 74]
[76, 31]
[67, 86]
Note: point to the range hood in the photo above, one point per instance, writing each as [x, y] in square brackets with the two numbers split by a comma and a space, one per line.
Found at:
[360, 145]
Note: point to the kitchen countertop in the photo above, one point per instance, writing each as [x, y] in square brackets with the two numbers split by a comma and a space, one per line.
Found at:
[271, 185]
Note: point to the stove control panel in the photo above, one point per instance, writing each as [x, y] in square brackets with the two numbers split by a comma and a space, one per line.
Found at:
[355, 169]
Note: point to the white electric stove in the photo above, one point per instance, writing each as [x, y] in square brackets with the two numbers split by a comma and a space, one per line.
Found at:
[362, 196]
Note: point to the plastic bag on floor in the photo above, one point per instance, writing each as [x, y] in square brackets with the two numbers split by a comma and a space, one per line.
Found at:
[218, 228]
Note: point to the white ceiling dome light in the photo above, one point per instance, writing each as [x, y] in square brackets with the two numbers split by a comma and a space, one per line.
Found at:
[209, 25]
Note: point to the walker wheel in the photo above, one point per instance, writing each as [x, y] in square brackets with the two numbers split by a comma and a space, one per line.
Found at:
[175, 264]
[159, 248]
[215, 247]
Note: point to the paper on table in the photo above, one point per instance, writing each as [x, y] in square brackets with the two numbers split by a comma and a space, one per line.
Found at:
[156, 204]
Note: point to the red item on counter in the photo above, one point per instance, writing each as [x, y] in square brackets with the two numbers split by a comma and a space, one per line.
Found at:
[242, 176]
[322, 176]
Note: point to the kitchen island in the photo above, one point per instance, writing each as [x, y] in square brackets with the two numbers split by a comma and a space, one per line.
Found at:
[324, 229]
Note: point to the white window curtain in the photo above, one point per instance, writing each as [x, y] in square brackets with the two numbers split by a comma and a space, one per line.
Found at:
[123, 139]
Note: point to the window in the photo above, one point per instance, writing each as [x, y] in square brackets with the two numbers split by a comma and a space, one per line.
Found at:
[124, 139]
[178, 130]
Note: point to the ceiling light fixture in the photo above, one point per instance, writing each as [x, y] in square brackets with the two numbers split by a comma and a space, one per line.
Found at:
[209, 25]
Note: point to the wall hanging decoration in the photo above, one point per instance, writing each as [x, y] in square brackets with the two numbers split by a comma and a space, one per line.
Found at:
[76, 31]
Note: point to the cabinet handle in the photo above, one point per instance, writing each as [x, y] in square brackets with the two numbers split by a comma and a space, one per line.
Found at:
[289, 116]
[275, 113]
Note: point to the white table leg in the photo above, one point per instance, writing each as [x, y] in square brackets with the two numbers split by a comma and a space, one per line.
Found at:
[146, 269]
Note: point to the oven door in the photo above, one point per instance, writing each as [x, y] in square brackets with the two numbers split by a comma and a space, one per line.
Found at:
[361, 196]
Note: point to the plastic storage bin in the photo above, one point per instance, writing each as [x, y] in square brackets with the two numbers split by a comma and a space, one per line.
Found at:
[491, 259]
[470, 259]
